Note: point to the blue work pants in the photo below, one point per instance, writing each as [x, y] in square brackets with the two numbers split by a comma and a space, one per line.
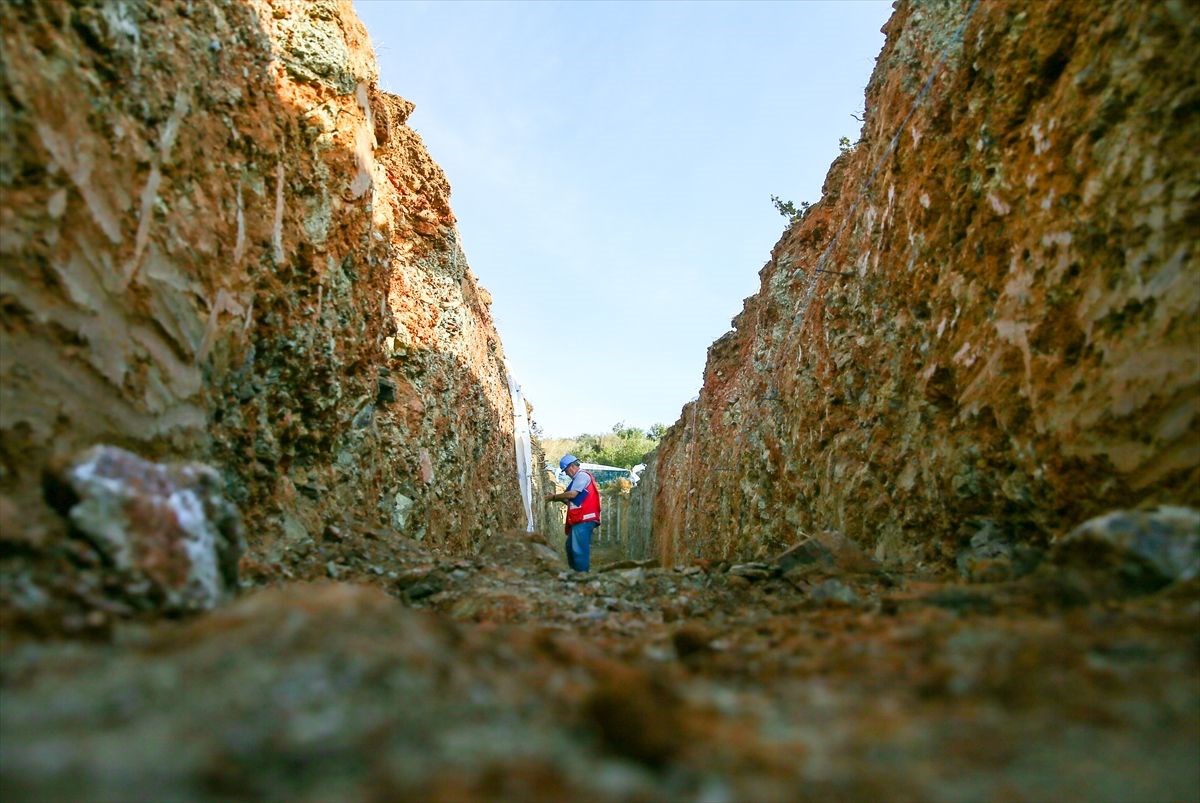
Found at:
[579, 545]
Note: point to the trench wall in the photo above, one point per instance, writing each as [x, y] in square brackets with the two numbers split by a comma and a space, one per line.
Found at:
[989, 321]
[221, 241]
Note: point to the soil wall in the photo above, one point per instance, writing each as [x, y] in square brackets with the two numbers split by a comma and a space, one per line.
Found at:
[989, 321]
[221, 242]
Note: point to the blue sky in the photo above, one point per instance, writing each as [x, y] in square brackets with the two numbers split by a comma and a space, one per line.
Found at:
[612, 165]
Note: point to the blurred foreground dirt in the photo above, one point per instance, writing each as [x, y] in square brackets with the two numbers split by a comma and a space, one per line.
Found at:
[503, 677]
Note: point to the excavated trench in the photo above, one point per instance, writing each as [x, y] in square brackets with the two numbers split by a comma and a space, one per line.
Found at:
[262, 521]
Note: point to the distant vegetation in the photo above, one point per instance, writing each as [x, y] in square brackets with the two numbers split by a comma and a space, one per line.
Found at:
[624, 446]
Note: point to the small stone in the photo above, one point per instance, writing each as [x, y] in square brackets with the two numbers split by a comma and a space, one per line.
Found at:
[401, 508]
[834, 591]
[652, 563]
[293, 529]
[751, 571]
[808, 552]
[617, 566]
[426, 465]
[311, 490]
[363, 417]
[422, 590]
[1141, 551]
[987, 550]
[169, 526]
[826, 551]
[414, 574]
[632, 577]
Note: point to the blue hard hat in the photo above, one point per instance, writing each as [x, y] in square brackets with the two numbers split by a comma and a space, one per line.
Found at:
[567, 460]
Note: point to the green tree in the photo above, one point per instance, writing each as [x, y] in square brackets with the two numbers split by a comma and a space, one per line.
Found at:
[623, 446]
[790, 210]
[589, 448]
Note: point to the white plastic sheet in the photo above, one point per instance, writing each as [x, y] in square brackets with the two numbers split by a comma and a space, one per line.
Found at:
[524, 446]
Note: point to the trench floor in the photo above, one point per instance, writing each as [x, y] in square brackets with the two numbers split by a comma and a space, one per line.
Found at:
[502, 676]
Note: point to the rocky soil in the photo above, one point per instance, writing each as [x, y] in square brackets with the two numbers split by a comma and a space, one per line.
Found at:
[816, 675]
[220, 242]
[990, 322]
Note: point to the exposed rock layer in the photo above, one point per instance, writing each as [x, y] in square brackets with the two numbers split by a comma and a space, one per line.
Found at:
[220, 241]
[991, 325]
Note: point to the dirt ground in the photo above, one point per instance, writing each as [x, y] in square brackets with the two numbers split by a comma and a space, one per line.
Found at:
[816, 676]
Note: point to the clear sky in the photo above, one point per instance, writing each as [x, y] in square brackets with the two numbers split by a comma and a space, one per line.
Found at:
[612, 165]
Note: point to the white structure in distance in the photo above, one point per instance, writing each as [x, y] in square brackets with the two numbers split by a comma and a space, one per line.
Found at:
[602, 473]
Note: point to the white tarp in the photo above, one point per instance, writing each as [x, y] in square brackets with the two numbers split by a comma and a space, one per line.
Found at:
[524, 446]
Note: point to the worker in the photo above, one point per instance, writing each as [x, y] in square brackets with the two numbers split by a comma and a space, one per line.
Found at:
[583, 512]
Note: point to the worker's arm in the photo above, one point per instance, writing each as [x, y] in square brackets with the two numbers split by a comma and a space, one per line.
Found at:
[565, 496]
